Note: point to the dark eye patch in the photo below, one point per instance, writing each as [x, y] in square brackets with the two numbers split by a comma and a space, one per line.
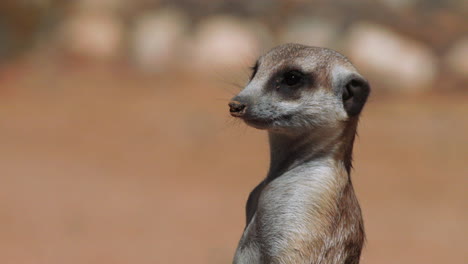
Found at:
[288, 82]
[293, 78]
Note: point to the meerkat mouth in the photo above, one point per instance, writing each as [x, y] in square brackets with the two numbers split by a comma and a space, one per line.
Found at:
[258, 123]
[265, 123]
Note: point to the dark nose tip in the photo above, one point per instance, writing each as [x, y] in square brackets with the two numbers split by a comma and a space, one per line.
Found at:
[237, 108]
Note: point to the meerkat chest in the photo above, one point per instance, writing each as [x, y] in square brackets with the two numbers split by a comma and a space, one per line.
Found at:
[292, 209]
[297, 196]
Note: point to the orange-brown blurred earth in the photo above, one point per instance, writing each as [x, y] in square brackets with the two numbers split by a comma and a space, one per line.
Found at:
[104, 165]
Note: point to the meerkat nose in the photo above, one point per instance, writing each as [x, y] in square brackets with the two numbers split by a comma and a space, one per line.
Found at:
[237, 108]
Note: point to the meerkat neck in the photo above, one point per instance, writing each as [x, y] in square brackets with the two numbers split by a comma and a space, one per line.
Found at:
[290, 150]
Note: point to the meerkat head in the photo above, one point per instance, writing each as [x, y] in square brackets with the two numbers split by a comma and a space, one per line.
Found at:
[295, 87]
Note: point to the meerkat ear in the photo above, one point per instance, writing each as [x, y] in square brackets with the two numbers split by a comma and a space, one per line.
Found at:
[355, 92]
[352, 88]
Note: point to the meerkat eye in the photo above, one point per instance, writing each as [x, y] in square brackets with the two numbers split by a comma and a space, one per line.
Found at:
[292, 78]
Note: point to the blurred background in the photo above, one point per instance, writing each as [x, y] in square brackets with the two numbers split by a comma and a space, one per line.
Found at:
[117, 145]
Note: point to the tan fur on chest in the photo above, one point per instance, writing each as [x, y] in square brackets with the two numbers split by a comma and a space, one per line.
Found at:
[296, 212]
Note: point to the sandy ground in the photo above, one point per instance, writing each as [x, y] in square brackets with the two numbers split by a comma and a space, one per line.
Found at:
[105, 166]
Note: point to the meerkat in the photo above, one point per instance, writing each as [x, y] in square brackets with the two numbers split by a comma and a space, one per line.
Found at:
[309, 100]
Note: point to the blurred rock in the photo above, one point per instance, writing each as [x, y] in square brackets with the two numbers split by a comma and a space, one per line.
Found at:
[225, 41]
[310, 31]
[20, 25]
[457, 58]
[158, 39]
[90, 34]
[103, 5]
[404, 64]
[262, 33]
[399, 4]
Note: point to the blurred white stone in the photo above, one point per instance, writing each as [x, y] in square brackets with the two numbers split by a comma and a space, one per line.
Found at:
[158, 39]
[404, 64]
[457, 58]
[310, 31]
[96, 35]
[225, 41]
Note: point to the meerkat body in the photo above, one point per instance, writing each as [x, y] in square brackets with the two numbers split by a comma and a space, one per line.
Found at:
[305, 210]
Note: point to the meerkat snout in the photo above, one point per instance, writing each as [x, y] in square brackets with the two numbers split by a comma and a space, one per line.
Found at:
[236, 108]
